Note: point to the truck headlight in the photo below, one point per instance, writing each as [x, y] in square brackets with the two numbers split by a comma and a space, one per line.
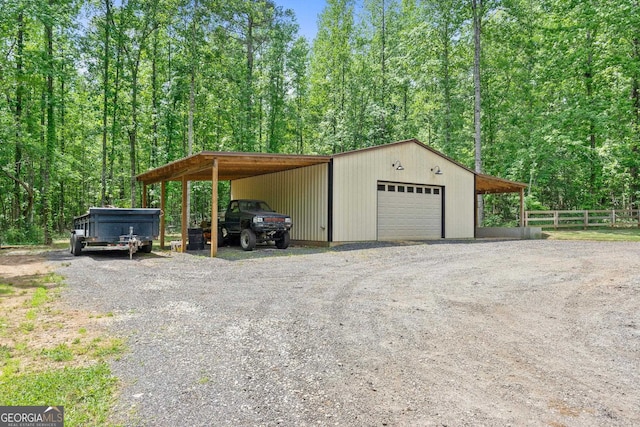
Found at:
[258, 219]
[287, 220]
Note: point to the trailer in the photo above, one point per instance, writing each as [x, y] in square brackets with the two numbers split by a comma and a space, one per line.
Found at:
[115, 228]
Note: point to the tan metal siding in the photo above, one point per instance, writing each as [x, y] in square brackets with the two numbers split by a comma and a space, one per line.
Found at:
[459, 204]
[301, 193]
[355, 187]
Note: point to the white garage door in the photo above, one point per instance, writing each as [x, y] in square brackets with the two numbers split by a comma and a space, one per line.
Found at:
[409, 211]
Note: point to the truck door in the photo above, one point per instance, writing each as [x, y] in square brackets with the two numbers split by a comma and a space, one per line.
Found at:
[232, 217]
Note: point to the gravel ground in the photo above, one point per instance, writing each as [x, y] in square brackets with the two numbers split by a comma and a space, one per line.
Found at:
[469, 333]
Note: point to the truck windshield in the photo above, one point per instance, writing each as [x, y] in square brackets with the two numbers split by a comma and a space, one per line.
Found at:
[255, 205]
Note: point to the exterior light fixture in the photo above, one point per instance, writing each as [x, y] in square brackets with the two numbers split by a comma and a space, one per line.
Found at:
[436, 170]
[397, 165]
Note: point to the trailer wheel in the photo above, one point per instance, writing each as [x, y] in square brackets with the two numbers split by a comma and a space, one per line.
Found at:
[283, 241]
[247, 239]
[147, 248]
[77, 246]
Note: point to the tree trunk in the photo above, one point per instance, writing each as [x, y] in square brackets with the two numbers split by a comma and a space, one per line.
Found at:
[192, 103]
[154, 103]
[477, 19]
[60, 224]
[446, 76]
[114, 115]
[105, 104]
[17, 196]
[50, 136]
[383, 72]
[593, 164]
[248, 133]
[133, 132]
[635, 149]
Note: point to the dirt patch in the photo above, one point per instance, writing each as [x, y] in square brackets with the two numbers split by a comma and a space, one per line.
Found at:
[20, 268]
[37, 329]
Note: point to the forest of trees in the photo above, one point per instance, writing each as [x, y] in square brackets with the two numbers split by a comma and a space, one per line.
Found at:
[94, 92]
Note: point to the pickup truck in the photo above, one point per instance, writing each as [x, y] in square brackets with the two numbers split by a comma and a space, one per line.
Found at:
[254, 222]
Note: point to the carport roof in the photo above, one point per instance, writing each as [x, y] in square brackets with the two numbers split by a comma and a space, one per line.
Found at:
[231, 165]
[487, 184]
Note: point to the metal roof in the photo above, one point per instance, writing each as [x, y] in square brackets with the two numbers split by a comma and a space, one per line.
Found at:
[231, 165]
[487, 184]
[236, 165]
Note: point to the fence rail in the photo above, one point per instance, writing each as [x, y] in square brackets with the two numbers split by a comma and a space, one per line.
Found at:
[583, 218]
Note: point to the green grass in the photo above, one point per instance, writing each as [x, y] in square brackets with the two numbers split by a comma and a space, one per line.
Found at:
[50, 279]
[112, 347]
[597, 234]
[86, 393]
[6, 289]
[60, 353]
[27, 327]
[39, 297]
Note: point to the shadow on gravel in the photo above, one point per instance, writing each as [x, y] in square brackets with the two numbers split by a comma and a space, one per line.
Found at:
[235, 253]
[99, 255]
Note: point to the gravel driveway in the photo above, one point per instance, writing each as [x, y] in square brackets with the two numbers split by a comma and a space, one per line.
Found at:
[540, 333]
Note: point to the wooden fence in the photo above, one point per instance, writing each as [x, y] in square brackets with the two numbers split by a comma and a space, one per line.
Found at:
[583, 219]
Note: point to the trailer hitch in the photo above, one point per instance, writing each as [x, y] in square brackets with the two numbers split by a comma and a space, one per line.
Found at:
[132, 241]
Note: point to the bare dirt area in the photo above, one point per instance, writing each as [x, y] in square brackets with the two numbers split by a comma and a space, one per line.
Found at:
[31, 324]
[540, 333]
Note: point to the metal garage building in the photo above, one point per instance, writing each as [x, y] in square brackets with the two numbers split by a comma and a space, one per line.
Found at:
[403, 190]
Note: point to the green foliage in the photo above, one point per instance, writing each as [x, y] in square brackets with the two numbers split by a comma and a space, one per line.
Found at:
[60, 353]
[85, 393]
[533, 204]
[6, 289]
[28, 235]
[605, 234]
[113, 347]
[560, 90]
[39, 297]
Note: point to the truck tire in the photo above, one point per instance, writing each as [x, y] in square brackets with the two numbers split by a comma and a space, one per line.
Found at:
[247, 239]
[283, 241]
[147, 248]
[77, 245]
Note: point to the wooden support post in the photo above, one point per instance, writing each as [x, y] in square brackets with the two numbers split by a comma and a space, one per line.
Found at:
[162, 207]
[184, 215]
[586, 220]
[214, 208]
[522, 223]
[475, 211]
[144, 195]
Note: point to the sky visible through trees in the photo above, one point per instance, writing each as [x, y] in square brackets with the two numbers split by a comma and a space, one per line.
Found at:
[94, 92]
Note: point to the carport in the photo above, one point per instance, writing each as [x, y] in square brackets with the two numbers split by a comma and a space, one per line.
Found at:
[214, 167]
[487, 184]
